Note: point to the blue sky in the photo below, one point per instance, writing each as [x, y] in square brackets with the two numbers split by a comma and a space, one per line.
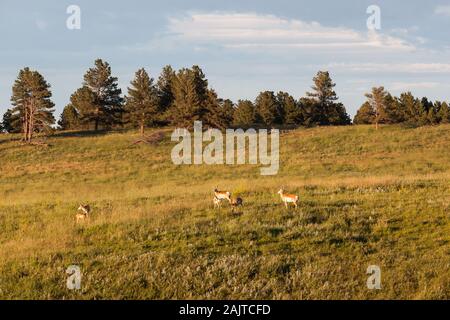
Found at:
[243, 46]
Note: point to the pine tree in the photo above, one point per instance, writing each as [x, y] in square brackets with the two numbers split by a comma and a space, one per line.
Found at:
[392, 112]
[190, 91]
[70, 119]
[267, 108]
[141, 103]
[398, 113]
[32, 104]
[432, 113]
[324, 95]
[310, 112]
[377, 99]
[365, 114]
[217, 111]
[84, 101]
[228, 110]
[342, 118]
[412, 108]
[427, 105]
[165, 88]
[244, 115]
[11, 123]
[327, 111]
[443, 114]
[107, 109]
[289, 109]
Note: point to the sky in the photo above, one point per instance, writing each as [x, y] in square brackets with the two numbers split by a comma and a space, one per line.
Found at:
[243, 46]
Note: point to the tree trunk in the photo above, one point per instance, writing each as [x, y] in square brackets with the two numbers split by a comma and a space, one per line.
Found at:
[377, 116]
[25, 123]
[96, 119]
[32, 113]
[142, 128]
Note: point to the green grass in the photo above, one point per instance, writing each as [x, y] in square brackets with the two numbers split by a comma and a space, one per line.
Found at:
[366, 198]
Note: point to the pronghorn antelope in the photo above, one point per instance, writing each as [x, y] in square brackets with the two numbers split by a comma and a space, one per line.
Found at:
[236, 203]
[222, 195]
[216, 202]
[85, 211]
[80, 216]
[288, 198]
[219, 196]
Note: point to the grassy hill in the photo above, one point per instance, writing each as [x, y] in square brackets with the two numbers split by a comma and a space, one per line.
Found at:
[366, 198]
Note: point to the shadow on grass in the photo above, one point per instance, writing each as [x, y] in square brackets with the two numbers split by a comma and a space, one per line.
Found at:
[11, 139]
[83, 134]
[236, 213]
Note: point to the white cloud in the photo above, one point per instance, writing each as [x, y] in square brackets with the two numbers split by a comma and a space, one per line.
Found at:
[436, 68]
[442, 10]
[404, 86]
[251, 30]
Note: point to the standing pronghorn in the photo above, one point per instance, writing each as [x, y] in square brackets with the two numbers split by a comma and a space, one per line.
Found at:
[288, 198]
[216, 202]
[85, 211]
[219, 196]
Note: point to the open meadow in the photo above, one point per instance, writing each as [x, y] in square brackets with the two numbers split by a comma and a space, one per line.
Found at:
[367, 197]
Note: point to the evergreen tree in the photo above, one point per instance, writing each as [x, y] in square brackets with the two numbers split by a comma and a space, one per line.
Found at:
[141, 103]
[324, 95]
[377, 99]
[310, 112]
[10, 122]
[427, 105]
[443, 114]
[365, 114]
[244, 115]
[217, 111]
[32, 104]
[165, 88]
[432, 113]
[327, 111]
[397, 113]
[393, 113]
[341, 117]
[84, 102]
[190, 91]
[70, 119]
[267, 108]
[228, 110]
[412, 109]
[289, 109]
[107, 109]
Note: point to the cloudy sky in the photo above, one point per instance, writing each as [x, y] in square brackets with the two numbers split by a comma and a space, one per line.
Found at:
[243, 46]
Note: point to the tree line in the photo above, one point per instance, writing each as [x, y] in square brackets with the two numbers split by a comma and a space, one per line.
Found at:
[178, 98]
[383, 108]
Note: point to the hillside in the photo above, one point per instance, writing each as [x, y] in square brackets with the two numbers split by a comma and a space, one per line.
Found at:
[366, 198]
